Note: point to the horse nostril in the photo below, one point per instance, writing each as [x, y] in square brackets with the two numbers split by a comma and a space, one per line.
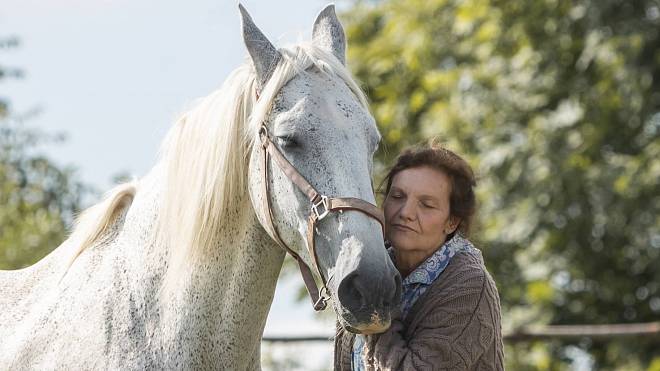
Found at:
[355, 294]
[395, 295]
[349, 292]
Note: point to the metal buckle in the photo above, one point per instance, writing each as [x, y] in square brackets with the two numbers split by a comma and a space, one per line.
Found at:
[322, 303]
[315, 208]
[263, 135]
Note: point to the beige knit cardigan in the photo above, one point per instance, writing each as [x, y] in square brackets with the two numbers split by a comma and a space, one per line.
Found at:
[454, 325]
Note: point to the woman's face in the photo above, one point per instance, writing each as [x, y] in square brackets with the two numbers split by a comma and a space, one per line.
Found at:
[417, 215]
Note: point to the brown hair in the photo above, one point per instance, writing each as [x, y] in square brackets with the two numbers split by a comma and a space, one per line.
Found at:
[462, 201]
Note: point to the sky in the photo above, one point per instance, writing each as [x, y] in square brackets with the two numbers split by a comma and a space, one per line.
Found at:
[112, 75]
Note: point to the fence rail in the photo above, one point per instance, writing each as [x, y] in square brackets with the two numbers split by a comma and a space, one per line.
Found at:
[533, 333]
[650, 329]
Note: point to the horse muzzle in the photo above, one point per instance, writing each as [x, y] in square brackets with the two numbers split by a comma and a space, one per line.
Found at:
[365, 303]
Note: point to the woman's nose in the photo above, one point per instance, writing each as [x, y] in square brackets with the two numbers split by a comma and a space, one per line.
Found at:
[407, 211]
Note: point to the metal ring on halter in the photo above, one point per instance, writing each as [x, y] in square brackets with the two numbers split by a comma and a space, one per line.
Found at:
[315, 208]
[263, 135]
[322, 303]
[324, 295]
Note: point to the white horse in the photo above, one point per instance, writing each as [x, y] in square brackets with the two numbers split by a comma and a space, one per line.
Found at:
[178, 270]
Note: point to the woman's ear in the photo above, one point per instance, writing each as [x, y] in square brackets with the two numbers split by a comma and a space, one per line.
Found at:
[452, 224]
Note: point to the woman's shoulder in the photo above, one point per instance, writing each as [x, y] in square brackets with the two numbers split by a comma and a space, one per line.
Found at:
[465, 275]
[466, 262]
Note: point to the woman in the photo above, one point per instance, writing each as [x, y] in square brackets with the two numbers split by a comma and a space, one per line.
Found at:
[450, 309]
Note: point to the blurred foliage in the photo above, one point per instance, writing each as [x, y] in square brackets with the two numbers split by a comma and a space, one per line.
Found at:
[555, 105]
[37, 197]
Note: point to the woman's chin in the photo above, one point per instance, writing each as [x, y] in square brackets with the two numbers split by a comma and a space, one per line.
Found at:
[404, 243]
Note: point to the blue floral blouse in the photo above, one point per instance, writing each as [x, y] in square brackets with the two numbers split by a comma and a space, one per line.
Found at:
[416, 283]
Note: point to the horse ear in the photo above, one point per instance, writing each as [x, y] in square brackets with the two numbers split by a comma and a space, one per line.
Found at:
[329, 34]
[263, 54]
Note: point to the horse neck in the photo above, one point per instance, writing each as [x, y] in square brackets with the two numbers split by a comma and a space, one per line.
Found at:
[225, 299]
[216, 317]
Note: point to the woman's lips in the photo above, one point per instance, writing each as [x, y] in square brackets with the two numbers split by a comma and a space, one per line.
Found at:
[403, 228]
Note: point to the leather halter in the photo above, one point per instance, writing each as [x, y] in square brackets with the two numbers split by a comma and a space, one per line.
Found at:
[320, 206]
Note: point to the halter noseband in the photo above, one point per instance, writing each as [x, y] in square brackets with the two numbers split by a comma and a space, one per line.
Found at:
[321, 205]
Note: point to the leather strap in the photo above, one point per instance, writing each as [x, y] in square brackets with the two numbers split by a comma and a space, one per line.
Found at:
[306, 273]
[291, 172]
[318, 201]
[351, 203]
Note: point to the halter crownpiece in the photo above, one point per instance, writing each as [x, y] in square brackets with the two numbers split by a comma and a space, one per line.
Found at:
[321, 206]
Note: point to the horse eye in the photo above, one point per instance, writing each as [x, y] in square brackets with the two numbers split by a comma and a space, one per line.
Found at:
[287, 141]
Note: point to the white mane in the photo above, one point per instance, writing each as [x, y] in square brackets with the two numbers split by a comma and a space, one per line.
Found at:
[205, 156]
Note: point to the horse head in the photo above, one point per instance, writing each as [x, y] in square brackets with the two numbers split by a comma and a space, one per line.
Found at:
[317, 118]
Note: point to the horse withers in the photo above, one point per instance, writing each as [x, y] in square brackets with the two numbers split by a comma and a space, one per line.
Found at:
[178, 270]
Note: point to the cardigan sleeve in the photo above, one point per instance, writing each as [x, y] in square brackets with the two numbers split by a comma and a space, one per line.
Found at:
[457, 326]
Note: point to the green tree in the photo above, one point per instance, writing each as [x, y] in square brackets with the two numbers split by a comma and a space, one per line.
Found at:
[37, 198]
[555, 105]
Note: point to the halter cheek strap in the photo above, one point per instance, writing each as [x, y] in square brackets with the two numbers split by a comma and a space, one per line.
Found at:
[320, 207]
